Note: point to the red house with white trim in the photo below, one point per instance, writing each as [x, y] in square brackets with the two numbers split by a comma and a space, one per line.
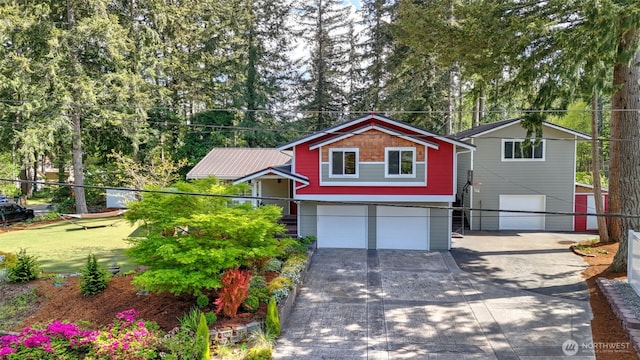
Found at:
[370, 183]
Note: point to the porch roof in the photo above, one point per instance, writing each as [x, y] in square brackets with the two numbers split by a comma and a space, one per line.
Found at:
[283, 171]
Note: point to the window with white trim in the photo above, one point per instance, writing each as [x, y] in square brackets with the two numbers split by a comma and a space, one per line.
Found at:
[400, 162]
[343, 162]
[516, 150]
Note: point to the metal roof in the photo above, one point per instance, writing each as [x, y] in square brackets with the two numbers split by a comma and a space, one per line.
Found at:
[232, 163]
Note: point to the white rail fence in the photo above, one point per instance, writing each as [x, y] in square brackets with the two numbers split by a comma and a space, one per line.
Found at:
[633, 261]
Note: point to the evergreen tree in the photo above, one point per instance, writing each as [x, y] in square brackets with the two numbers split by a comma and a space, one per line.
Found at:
[267, 69]
[554, 52]
[28, 123]
[377, 17]
[324, 25]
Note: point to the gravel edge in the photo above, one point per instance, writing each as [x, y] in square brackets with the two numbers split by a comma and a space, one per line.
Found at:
[625, 304]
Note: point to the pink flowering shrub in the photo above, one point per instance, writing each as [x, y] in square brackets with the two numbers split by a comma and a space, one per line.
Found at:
[58, 340]
[127, 338]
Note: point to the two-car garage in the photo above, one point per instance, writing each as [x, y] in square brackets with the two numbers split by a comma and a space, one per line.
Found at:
[373, 227]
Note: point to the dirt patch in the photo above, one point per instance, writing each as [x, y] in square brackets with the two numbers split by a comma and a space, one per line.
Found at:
[17, 301]
[605, 326]
[67, 303]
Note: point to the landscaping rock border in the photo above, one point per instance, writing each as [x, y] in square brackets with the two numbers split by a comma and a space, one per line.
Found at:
[630, 322]
[285, 307]
[236, 334]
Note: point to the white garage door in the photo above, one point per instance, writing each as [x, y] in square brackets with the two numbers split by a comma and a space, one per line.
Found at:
[522, 221]
[342, 226]
[402, 228]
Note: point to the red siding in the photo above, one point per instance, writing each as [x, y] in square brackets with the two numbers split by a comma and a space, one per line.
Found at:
[580, 205]
[439, 171]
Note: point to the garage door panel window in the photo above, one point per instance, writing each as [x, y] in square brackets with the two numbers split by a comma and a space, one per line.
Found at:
[400, 162]
[344, 162]
[516, 150]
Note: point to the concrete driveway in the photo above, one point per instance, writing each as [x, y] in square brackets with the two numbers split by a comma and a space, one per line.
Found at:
[389, 304]
[538, 262]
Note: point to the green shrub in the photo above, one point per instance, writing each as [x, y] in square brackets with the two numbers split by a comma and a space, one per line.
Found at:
[295, 248]
[240, 236]
[278, 283]
[296, 259]
[306, 240]
[94, 278]
[258, 288]
[273, 265]
[26, 268]
[202, 338]
[294, 267]
[261, 338]
[178, 344]
[189, 321]
[251, 303]
[10, 260]
[211, 317]
[272, 322]
[261, 293]
[257, 282]
[202, 300]
[279, 287]
[259, 353]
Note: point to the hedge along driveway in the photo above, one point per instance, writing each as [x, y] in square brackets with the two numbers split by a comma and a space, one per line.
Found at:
[63, 247]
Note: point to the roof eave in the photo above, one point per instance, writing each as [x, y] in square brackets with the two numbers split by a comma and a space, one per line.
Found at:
[266, 171]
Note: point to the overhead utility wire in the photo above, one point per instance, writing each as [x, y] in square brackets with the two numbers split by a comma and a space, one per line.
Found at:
[288, 130]
[187, 193]
[299, 111]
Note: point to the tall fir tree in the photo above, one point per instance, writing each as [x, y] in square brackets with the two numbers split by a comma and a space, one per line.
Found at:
[267, 69]
[377, 17]
[324, 26]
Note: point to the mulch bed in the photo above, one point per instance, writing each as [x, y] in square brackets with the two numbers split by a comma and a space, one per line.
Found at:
[605, 326]
[67, 303]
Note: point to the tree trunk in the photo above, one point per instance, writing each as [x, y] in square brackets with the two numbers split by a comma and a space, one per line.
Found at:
[597, 191]
[34, 188]
[481, 105]
[460, 103]
[62, 177]
[450, 104]
[475, 121]
[78, 169]
[615, 230]
[626, 119]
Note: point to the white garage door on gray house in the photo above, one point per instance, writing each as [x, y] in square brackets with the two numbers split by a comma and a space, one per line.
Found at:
[510, 174]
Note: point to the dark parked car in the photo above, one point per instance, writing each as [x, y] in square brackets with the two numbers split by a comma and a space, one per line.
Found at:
[10, 212]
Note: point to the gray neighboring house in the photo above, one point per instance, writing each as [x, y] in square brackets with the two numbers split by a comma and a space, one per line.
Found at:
[504, 174]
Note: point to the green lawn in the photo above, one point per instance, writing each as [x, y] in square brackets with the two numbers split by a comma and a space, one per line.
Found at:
[63, 247]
